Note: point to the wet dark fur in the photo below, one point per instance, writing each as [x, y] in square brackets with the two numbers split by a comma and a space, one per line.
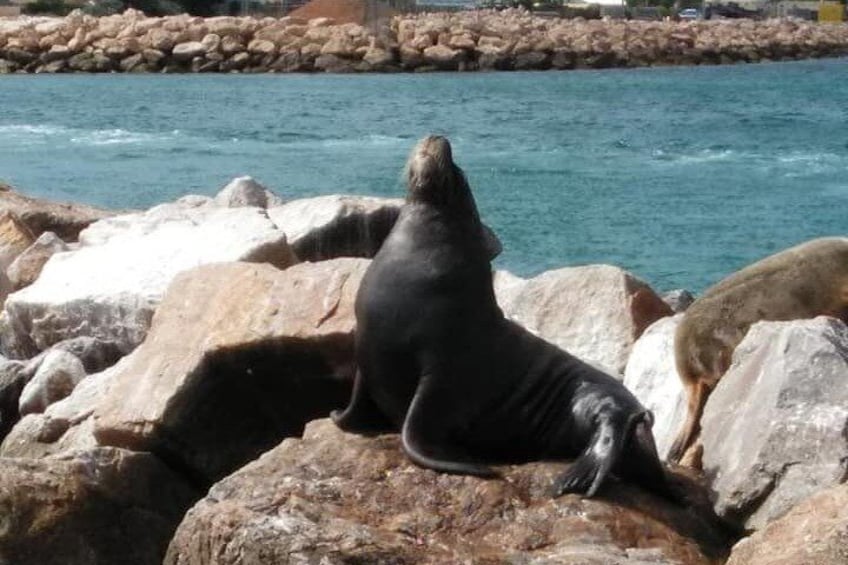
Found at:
[438, 360]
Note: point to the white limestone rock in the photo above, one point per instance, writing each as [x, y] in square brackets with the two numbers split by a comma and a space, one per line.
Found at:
[110, 286]
[652, 377]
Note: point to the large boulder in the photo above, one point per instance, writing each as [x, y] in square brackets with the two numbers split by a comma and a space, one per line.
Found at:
[94, 507]
[651, 375]
[336, 225]
[333, 497]
[110, 286]
[595, 312]
[773, 430]
[65, 220]
[239, 356]
[27, 266]
[814, 532]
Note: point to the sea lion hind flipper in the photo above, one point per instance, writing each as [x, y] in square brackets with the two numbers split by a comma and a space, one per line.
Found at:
[697, 393]
[425, 439]
[587, 473]
[361, 415]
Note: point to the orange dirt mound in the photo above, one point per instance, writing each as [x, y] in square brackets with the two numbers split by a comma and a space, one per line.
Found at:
[344, 11]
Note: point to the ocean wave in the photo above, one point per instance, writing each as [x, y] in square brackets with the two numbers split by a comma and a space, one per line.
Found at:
[122, 137]
[24, 134]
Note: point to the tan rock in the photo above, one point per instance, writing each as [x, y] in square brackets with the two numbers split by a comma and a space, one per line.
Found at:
[443, 56]
[235, 342]
[230, 45]
[595, 312]
[340, 46]
[261, 47]
[377, 57]
[161, 39]
[92, 507]
[27, 266]
[339, 498]
[184, 52]
[211, 42]
[15, 238]
[813, 532]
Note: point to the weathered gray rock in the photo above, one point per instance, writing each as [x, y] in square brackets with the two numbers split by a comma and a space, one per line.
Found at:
[135, 257]
[65, 220]
[57, 376]
[814, 532]
[31, 437]
[336, 225]
[652, 377]
[595, 312]
[773, 430]
[66, 426]
[94, 507]
[332, 497]
[678, 300]
[27, 266]
[239, 357]
[245, 191]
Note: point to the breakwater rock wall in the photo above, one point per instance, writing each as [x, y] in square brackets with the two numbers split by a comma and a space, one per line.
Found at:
[465, 41]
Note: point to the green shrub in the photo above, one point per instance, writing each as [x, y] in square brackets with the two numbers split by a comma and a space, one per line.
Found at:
[47, 7]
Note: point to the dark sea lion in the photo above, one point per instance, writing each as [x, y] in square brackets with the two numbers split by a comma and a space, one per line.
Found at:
[804, 281]
[438, 361]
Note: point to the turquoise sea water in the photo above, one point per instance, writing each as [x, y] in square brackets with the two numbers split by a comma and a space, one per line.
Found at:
[681, 175]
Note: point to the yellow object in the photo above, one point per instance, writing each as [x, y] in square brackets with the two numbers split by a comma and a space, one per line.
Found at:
[831, 12]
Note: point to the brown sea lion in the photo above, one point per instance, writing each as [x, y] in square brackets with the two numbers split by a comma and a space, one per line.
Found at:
[466, 387]
[804, 281]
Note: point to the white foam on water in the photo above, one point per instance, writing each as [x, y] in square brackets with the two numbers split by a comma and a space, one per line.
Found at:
[121, 137]
[38, 134]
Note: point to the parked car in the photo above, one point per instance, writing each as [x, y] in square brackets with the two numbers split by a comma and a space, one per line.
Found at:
[689, 14]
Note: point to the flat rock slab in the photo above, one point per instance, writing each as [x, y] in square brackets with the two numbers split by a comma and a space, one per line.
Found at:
[95, 507]
[773, 430]
[110, 286]
[239, 357]
[815, 532]
[595, 312]
[333, 497]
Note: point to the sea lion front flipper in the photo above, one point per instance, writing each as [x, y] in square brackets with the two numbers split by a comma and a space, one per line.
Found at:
[425, 438]
[588, 472]
[362, 415]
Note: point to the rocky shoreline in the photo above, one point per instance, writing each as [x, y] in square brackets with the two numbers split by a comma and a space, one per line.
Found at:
[464, 41]
[165, 377]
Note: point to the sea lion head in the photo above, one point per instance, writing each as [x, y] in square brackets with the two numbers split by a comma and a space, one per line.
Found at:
[433, 178]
